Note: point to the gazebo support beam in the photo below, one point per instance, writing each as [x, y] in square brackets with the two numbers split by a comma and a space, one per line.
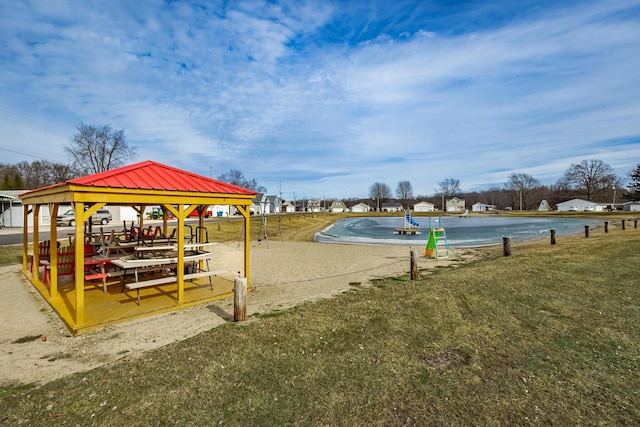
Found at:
[53, 230]
[79, 212]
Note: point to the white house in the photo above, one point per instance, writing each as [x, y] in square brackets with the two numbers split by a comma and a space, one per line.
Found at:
[273, 204]
[632, 207]
[338, 206]
[482, 207]
[288, 207]
[424, 207]
[11, 209]
[258, 204]
[314, 206]
[119, 214]
[391, 207]
[578, 205]
[455, 205]
[361, 207]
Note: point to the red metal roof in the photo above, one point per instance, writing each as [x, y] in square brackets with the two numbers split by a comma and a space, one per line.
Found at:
[149, 175]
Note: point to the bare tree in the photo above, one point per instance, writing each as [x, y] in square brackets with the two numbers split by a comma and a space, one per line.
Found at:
[449, 187]
[235, 177]
[379, 191]
[523, 186]
[404, 192]
[590, 178]
[97, 149]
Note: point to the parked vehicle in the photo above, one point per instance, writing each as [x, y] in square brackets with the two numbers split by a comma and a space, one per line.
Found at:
[102, 216]
[156, 213]
[207, 214]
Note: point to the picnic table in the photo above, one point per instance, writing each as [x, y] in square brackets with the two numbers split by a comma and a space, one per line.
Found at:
[135, 265]
[97, 262]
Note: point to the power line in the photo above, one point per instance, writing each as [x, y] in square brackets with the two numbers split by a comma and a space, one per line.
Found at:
[30, 119]
[28, 155]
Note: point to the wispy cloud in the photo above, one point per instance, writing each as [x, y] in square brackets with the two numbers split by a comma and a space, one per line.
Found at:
[330, 97]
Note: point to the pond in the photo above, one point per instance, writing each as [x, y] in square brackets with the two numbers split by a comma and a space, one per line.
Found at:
[460, 231]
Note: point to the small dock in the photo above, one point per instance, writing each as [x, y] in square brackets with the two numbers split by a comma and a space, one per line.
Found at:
[408, 230]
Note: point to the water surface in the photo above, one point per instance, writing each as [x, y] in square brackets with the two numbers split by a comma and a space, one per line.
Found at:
[460, 231]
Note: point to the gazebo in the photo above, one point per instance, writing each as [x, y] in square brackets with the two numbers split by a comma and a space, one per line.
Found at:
[139, 185]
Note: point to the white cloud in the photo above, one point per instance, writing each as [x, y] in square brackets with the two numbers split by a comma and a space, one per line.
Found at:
[326, 99]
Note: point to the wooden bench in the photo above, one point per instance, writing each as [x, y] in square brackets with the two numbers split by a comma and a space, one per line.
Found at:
[66, 266]
[164, 280]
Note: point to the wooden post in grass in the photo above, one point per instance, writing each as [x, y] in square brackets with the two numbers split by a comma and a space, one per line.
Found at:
[414, 266]
[506, 246]
[624, 225]
[635, 223]
[240, 299]
[553, 236]
[586, 231]
[606, 226]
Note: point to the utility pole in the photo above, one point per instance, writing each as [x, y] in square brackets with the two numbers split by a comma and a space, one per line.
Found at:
[521, 199]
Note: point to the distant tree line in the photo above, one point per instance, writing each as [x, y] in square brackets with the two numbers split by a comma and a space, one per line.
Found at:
[36, 174]
[593, 180]
[95, 149]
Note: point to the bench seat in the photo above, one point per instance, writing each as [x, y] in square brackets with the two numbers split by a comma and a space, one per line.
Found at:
[164, 280]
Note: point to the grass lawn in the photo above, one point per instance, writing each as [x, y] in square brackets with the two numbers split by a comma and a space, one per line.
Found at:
[548, 336]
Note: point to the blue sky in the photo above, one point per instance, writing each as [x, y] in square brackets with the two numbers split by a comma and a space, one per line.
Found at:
[324, 98]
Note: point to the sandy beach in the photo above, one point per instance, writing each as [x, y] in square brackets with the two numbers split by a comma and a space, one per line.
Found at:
[37, 347]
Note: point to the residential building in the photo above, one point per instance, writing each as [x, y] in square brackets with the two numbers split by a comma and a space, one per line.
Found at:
[482, 207]
[455, 204]
[424, 207]
[314, 206]
[392, 207]
[360, 208]
[338, 206]
[288, 207]
[258, 204]
[273, 204]
[579, 205]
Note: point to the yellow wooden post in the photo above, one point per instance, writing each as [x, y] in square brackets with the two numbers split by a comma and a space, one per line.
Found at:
[247, 245]
[201, 232]
[180, 272]
[25, 238]
[53, 253]
[36, 243]
[79, 213]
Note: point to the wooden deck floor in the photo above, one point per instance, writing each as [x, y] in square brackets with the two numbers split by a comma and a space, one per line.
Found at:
[102, 309]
